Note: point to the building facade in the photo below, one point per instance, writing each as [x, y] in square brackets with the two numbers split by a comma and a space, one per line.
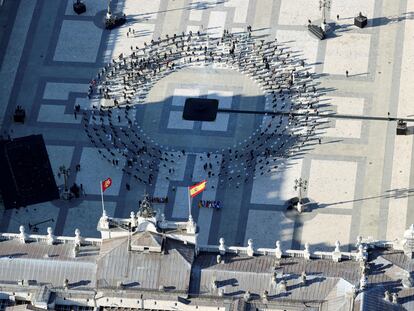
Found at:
[148, 263]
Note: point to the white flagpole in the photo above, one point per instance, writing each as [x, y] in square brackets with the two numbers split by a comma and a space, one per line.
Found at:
[103, 206]
[189, 203]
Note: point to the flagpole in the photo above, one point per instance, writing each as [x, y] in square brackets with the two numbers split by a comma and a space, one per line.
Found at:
[189, 203]
[103, 206]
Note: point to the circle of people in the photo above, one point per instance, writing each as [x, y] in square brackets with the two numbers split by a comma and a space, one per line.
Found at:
[123, 84]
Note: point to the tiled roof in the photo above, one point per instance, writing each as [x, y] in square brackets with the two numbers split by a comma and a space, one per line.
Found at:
[241, 273]
[170, 269]
[47, 263]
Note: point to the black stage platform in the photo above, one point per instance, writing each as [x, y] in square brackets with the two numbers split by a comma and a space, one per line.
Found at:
[200, 109]
[26, 175]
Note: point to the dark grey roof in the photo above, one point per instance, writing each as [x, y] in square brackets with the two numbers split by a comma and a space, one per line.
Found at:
[406, 298]
[50, 264]
[373, 299]
[22, 307]
[399, 259]
[146, 239]
[238, 305]
[241, 273]
[170, 269]
[347, 269]
[38, 250]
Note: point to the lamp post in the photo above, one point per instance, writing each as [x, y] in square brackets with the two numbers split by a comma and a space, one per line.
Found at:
[108, 12]
[65, 172]
[300, 185]
[324, 5]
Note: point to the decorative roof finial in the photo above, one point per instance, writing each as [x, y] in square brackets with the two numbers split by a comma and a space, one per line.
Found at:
[145, 208]
[336, 254]
[78, 238]
[250, 248]
[278, 251]
[50, 236]
[23, 235]
[222, 246]
[191, 225]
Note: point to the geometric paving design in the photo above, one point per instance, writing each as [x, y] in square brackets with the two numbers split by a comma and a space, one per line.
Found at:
[359, 172]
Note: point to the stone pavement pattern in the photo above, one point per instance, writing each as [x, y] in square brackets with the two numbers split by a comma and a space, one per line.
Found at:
[360, 177]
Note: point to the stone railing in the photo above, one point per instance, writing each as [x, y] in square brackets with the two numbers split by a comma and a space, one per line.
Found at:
[47, 238]
[295, 253]
[330, 255]
[336, 255]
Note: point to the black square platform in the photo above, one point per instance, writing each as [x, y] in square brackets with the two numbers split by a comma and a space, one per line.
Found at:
[79, 7]
[402, 128]
[200, 109]
[360, 21]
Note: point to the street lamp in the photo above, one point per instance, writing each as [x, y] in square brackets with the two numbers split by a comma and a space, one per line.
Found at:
[108, 12]
[300, 186]
[65, 172]
[324, 5]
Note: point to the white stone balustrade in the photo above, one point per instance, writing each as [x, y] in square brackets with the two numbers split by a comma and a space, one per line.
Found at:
[44, 238]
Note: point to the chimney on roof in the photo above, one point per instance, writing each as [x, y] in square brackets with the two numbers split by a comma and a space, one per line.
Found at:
[66, 284]
[409, 242]
[303, 278]
[23, 235]
[50, 236]
[274, 280]
[265, 296]
[394, 298]
[213, 285]
[246, 296]
[76, 248]
[282, 286]
[250, 248]
[129, 238]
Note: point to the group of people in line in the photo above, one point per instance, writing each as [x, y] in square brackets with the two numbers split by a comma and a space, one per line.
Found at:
[209, 204]
[118, 90]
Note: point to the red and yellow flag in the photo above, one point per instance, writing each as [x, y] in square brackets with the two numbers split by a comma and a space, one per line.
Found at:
[197, 188]
[106, 184]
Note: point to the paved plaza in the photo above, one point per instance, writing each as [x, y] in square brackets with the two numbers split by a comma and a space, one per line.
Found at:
[359, 172]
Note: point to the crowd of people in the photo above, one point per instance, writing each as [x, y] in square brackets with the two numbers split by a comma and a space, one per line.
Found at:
[162, 200]
[288, 86]
[209, 204]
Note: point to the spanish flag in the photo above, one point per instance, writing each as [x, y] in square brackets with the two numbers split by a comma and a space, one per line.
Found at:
[197, 188]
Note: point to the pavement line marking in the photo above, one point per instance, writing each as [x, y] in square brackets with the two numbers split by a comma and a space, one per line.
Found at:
[15, 50]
